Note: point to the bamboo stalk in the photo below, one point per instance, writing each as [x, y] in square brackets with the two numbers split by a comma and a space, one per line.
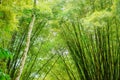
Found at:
[26, 49]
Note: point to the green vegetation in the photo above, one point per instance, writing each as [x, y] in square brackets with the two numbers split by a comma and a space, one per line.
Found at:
[59, 40]
[4, 55]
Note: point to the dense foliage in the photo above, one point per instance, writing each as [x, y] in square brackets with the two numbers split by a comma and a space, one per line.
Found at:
[70, 39]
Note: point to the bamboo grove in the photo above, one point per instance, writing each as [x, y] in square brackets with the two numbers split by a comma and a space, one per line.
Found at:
[60, 40]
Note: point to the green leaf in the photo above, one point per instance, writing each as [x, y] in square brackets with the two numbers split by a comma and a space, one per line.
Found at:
[4, 76]
[5, 53]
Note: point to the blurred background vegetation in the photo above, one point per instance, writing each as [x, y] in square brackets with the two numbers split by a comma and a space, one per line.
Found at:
[70, 40]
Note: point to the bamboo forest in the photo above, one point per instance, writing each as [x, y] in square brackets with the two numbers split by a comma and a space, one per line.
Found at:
[59, 39]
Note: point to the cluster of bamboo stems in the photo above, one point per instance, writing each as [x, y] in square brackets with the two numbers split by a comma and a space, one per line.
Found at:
[96, 54]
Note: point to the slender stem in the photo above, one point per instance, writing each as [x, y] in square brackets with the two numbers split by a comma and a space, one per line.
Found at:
[26, 49]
